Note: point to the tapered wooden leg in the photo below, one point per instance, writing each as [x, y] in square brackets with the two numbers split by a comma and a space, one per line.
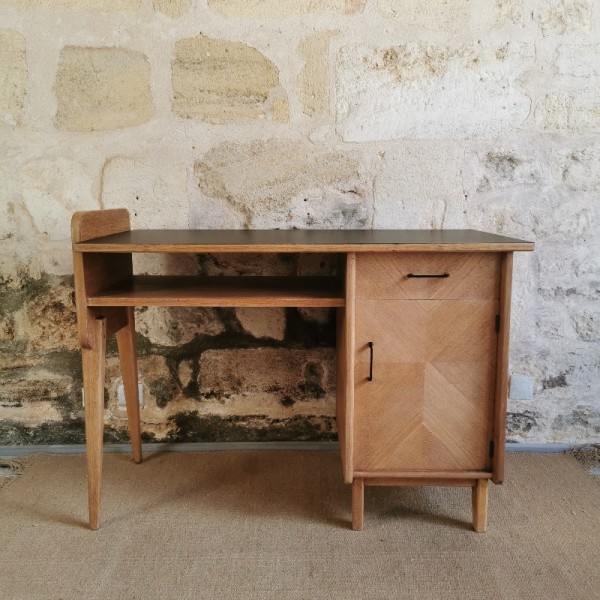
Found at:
[128, 359]
[358, 503]
[480, 505]
[93, 385]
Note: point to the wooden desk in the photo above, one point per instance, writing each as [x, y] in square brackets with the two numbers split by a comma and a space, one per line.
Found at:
[422, 340]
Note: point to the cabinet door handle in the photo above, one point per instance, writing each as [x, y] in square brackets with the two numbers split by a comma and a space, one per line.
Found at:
[370, 377]
[440, 276]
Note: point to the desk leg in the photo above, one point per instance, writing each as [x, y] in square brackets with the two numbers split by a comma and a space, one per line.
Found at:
[128, 360]
[93, 385]
[358, 503]
[480, 505]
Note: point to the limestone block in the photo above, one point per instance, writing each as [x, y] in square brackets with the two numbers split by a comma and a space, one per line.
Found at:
[420, 90]
[262, 322]
[573, 218]
[310, 263]
[314, 77]
[176, 326]
[502, 169]
[247, 264]
[580, 423]
[509, 11]
[102, 88]
[284, 183]
[287, 8]
[580, 168]
[52, 191]
[7, 330]
[48, 320]
[420, 186]
[155, 194]
[562, 16]
[221, 81]
[13, 76]
[446, 15]
[160, 387]
[578, 60]
[299, 374]
[27, 395]
[103, 5]
[172, 8]
[316, 315]
[280, 109]
[570, 111]
[587, 325]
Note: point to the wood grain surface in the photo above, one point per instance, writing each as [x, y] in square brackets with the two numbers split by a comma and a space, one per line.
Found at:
[467, 275]
[159, 290]
[429, 405]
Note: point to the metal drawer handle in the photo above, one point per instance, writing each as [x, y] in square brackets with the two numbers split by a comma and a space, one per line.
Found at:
[440, 276]
[370, 377]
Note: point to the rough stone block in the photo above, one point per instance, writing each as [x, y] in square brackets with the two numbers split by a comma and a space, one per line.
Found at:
[102, 88]
[580, 168]
[221, 81]
[13, 76]
[580, 422]
[578, 60]
[445, 15]
[509, 11]
[28, 395]
[247, 264]
[562, 16]
[420, 186]
[314, 77]
[52, 190]
[420, 90]
[282, 183]
[287, 8]
[587, 325]
[48, 320]
[172, 8]
[101, 5]
[176, 326]
[155, 194]
[262, 322]
[293, 374]
[505, 168]
[570, 111]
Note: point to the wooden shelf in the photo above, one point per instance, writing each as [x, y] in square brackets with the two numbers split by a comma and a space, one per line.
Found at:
[147, 290]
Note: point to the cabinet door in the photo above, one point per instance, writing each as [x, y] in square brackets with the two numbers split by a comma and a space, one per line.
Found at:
[429, 404]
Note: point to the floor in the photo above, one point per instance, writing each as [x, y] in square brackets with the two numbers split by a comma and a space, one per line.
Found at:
[261, 525]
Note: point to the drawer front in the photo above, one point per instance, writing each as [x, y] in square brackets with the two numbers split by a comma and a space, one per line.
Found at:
[428, 275]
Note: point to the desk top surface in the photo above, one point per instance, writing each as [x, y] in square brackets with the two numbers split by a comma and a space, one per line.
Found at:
[276, 240]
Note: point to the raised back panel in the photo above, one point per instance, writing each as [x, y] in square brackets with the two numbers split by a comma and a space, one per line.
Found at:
[87, 225]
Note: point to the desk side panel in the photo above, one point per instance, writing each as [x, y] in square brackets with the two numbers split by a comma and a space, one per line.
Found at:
[94, 272]
[345, 370]
[501, 395]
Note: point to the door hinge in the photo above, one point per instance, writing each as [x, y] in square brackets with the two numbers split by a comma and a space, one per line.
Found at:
[497, 323]
[491, 449]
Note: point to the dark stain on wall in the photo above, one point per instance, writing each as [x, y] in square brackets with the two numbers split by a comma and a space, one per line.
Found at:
[33, 375]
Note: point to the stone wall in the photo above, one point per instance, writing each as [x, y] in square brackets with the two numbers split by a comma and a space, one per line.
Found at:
[292, 113]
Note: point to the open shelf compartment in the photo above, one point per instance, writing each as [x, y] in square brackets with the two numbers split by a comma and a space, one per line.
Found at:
[234, 291]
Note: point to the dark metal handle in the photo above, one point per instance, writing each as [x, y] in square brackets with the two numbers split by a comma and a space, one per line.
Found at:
[440, 276]
[370, 377]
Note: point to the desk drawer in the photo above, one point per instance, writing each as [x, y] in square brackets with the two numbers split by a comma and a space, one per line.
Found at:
[427, 275]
